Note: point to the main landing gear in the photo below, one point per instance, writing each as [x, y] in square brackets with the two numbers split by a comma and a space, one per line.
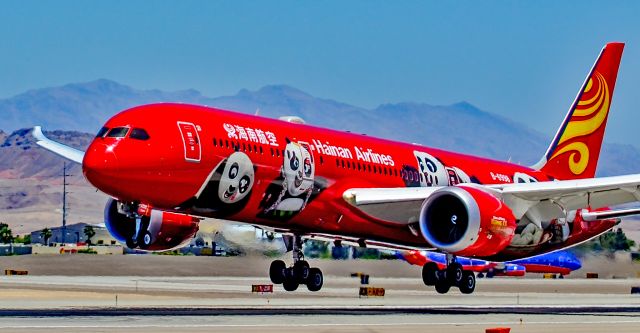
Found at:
[141, 238]
[451, 276]
[299, 273]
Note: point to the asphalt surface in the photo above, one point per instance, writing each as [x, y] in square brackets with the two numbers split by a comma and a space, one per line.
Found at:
[183, 294]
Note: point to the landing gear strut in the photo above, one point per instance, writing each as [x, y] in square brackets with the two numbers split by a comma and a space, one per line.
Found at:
[299, 273]
[453, 275]
[141, 237]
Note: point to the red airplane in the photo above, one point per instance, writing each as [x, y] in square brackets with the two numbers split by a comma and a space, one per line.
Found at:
[166, 166]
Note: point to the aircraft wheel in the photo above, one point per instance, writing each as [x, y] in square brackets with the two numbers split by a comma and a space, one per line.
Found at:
[301, 270]
[455, 273]
[277, 271]
[145, 241]
[131, 244]
[315, 279]
[290, 284]
[468, 284]
[442, 286]
[560, 276]
[429, 272]
[480, 275]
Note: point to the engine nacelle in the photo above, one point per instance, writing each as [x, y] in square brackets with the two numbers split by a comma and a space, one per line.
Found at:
[467, 221]
[160, 230]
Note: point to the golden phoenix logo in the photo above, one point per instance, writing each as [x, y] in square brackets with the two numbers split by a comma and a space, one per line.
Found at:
[588, 116]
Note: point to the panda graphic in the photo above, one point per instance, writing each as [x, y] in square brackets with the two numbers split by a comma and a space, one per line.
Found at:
[432, 171]
[228, 187]
[520, 177]
[291, 191]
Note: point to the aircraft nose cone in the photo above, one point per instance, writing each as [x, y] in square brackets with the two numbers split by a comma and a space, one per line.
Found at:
[100, 167]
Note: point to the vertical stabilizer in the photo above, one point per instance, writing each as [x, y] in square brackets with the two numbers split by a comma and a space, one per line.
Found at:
[574, 151]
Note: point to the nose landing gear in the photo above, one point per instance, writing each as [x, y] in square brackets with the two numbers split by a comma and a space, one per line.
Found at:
[451, 276]
[299, 273]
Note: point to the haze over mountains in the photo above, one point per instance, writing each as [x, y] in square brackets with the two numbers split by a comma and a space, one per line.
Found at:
[84, 107]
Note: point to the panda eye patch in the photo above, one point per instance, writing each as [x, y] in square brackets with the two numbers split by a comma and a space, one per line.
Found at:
[431, 166]
[245, 181]
[233, 171]
[421, 164]
[294, 163]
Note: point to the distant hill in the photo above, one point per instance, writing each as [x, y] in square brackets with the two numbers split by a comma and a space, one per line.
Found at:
[84, 107]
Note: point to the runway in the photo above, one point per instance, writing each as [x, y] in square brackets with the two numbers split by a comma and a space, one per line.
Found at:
[198, 304]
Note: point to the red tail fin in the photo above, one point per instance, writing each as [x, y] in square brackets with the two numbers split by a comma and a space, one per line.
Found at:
[574, 151]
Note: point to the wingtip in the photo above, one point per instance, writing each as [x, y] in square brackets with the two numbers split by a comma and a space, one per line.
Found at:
[37, 133]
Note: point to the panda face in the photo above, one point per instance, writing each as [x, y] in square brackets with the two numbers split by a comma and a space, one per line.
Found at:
[432, 171]
[298, 169]
[236, 179]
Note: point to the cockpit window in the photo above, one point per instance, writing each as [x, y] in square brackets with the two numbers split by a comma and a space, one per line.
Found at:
[102, 132]
[118, 132]
[139, 134]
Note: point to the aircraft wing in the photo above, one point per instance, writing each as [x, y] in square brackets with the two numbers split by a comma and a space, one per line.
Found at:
[403, 205]
[67, 152]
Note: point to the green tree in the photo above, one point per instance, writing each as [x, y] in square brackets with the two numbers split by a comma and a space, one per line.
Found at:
[46, 234]
[6, 235]
[611, 241]
[26, 239]
[89, 232]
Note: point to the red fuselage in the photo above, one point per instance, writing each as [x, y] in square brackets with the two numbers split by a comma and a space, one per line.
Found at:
[214, 163]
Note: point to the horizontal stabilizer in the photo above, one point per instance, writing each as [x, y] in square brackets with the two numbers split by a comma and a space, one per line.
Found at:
[56, 147]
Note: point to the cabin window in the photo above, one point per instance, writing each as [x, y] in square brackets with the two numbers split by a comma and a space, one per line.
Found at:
[226, 143]
[337, 163]
[348, 165]
[102, 132]
[215, 142]
[261, 151]
[321, 160]
[139, 134]
[342, 162]
[118, 132]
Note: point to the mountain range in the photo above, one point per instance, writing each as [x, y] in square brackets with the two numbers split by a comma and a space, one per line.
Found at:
[80, 108]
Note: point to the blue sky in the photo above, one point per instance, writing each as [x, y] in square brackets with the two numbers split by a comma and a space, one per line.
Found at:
[523, 60]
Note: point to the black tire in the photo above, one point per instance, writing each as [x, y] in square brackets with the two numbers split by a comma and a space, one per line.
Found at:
[468, 284]
[301, 270]
[277, 271]
[560, 276]
[315, 279]
[455, 274]
[290, 284]
[442, 286]
[145, 241]
[480, 275]
[429, 272]
[131, 244]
